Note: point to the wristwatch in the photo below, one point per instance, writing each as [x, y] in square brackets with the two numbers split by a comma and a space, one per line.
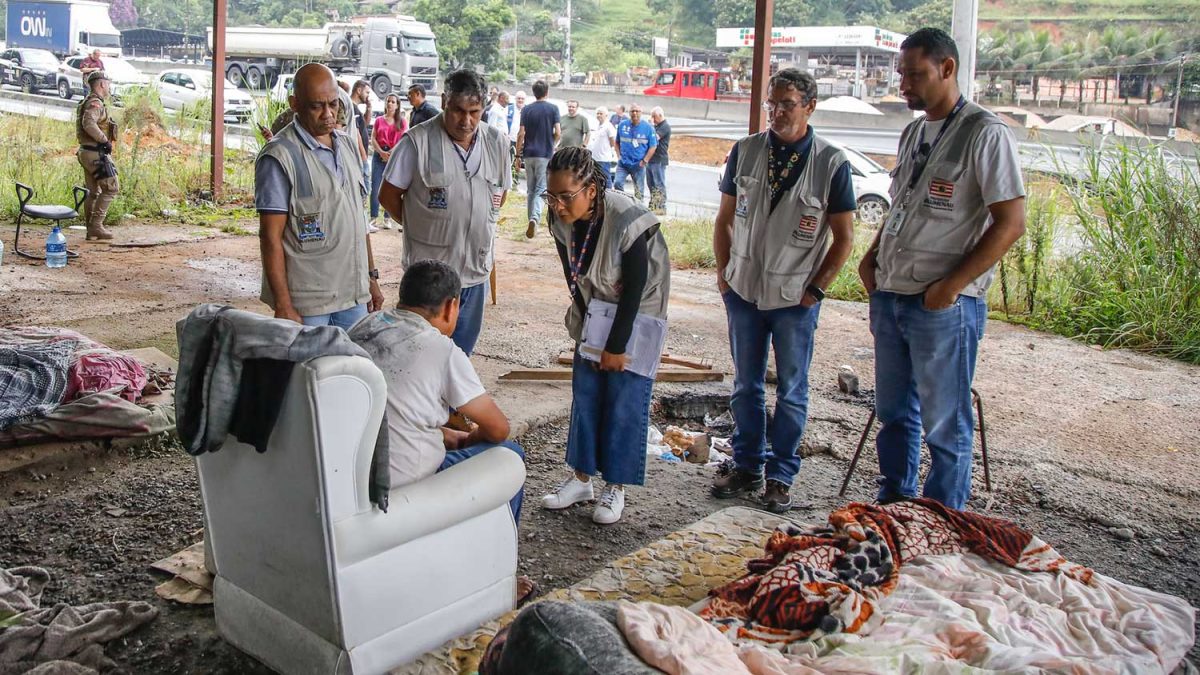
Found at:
[816, 292]
[374, 274]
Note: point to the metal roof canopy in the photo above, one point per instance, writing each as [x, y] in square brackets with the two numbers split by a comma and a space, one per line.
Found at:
[964, 29]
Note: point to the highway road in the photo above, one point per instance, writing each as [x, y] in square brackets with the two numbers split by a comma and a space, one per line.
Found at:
[691, 189]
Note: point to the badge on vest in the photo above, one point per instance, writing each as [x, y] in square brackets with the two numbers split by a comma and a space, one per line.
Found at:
[437, 198]
[310, 227]
[806, 231]
[742, 208]
[941, 191]
[496, 199]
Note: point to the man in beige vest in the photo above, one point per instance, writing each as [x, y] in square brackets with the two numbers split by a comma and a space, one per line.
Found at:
[783, 230]
[95, 131]
[318, 268]
[446, 182]
[958, 203]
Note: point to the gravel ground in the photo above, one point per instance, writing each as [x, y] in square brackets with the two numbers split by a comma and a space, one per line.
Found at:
[1097, 452]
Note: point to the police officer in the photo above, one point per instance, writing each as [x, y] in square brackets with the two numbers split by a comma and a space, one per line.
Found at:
[318, 267]
[96, 131]
[958, 205]
[783, 230]
[446, 182]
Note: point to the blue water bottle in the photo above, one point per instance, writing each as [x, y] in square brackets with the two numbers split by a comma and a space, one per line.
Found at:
[56, 249]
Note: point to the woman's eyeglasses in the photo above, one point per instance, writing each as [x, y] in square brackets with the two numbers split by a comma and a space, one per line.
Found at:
[552, 199]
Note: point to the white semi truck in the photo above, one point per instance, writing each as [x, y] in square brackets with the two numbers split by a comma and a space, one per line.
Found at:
[392, 53]
[64, 27]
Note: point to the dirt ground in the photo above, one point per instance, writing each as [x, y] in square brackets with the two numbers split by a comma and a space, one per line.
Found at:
[1098, 452]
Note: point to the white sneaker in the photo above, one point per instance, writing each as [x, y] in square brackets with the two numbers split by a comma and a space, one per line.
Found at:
[570, 491]
[371, 229]
[386, 223]
[612, 503]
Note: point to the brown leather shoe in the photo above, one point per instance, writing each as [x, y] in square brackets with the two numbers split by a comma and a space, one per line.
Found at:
[777, 498]
[732, 482]
[99, 233]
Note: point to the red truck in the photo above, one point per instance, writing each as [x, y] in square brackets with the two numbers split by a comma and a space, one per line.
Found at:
[699, 83]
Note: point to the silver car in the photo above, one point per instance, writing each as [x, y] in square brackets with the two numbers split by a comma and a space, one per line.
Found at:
[123, 75]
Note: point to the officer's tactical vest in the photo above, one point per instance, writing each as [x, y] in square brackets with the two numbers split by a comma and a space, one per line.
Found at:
[448, 215]
[625, 219]
[775, 253]
[945, 215]
[80, 135]
[324, 273]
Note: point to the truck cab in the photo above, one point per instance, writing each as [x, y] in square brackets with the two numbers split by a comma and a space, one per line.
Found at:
[685, 83]
[398, 53]
[64, 27]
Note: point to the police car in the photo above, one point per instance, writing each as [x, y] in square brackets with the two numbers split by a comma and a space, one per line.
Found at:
[30, 69]
[871, 182]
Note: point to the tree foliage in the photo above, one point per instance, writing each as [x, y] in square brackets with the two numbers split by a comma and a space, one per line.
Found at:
[468, 31]
[123, 13]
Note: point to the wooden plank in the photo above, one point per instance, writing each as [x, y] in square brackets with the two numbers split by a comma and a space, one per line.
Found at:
[696, 363]
[564, 375]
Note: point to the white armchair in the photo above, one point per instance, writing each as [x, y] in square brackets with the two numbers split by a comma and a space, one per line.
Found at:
[310, 577]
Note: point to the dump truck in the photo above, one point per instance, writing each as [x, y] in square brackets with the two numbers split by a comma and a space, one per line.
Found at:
[391, 53]
[62, 27]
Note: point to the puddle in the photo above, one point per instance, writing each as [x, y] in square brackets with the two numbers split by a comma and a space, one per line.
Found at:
[227, 277]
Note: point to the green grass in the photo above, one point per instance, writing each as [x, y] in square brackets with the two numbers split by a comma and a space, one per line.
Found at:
[156, 174]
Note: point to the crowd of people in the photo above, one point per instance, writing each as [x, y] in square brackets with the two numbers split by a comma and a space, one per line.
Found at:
[783, 231]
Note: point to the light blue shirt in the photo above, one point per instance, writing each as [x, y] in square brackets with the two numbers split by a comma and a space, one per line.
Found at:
[272, 191]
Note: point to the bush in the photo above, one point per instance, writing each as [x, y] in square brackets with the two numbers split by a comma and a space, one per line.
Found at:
[1135, 281]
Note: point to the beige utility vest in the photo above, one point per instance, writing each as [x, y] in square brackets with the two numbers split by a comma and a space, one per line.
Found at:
[625, 219]
[448, 215]
[326, 274]
[105, 122]
[944, 216]
[774, 253]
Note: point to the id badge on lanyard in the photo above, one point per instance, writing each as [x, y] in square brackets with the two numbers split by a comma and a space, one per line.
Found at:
[896, 218]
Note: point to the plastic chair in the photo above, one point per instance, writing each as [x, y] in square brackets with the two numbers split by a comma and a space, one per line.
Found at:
[862, 440]
[51, 212]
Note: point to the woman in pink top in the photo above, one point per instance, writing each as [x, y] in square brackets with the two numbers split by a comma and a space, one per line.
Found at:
[390, 127]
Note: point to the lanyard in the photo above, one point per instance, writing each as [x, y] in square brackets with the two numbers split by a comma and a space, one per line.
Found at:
[577, 260]
[923, 162]
[466, 156]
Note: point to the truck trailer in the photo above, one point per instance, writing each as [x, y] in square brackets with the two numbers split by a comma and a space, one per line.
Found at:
[64, 27]
[392, 53]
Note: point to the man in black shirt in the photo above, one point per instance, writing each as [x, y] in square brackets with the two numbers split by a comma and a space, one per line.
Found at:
[421, 109]
[656, 167]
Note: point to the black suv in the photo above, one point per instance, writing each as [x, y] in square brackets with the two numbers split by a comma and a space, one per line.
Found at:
[30, 69]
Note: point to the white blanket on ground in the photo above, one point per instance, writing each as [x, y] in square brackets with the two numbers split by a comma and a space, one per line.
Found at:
[958, 613]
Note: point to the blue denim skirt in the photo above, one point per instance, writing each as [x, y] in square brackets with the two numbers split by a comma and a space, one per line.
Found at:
[610, 413]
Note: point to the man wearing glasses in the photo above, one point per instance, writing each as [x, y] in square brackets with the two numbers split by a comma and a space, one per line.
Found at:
[783, 230]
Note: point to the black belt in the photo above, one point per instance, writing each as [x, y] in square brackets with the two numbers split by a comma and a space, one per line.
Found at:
[93, 148]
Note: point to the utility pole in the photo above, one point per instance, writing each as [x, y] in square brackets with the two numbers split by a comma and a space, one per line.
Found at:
[567, 50]
[964, 27]
[1178, 93]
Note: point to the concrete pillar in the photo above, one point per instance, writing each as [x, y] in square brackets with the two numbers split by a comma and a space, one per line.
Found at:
[964, 28]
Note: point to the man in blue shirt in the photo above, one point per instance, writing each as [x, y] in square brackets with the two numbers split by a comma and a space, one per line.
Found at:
[637, 142]
[539, 133]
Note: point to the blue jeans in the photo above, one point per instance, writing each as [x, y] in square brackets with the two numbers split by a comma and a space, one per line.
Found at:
[608, 171]
[610, 413]
[455, 456]
[470, 317]
[656, 180]
[924, 364]
[343, 319]
[377, 167]
[535, 185]
[752, 332]
[638, 173]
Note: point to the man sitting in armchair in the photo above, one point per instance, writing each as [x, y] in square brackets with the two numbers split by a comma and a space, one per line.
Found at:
[427, 375]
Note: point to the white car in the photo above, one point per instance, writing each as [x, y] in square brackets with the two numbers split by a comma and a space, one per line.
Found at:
[283, 89]
[871, 182]
[189, 87]
[123, 75]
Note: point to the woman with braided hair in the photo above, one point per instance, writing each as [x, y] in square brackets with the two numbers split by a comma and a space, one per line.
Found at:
[612, 252]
